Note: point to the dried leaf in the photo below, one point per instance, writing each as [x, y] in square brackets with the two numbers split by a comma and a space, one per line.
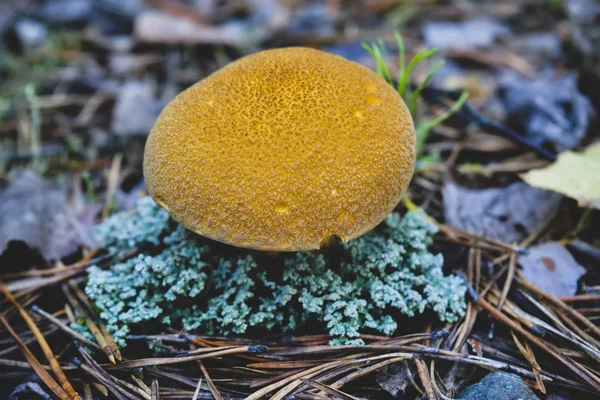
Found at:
[573, 174]
[552, 268]
[549, 112]
[507, 214]
[473, 33]
[136, 108]
[160, 27]
[29, 390]
[36, 212]
[394, 378]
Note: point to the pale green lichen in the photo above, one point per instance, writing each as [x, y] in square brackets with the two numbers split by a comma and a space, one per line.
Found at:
[186, 281]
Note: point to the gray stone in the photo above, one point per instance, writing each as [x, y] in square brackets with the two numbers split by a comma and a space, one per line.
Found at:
[499, 386]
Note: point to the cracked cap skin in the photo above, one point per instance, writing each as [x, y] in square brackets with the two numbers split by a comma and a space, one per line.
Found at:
[282, 150]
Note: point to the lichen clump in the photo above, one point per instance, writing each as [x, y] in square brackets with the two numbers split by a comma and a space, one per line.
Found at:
[188, 282]
[281, 150]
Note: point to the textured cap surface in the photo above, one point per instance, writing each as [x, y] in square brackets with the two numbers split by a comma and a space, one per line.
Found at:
[281, 150]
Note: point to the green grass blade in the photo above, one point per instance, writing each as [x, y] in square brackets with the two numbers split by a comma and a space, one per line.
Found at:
[414, 97]
[401, 57]
[423, 130]
[420, 56]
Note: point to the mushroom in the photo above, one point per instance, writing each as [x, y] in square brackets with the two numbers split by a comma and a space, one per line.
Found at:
[282, 150]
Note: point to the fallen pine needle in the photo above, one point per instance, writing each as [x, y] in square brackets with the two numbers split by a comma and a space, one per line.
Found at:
[56, 368]
[35, 364]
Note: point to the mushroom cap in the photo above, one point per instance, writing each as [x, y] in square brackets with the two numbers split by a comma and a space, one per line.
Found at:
[281, 150]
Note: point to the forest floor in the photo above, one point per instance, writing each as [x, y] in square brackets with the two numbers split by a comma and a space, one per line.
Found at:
[83, 81]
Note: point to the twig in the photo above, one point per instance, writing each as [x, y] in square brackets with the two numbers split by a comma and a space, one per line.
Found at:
[146, 362]
[113, 181]
[562, 330]
[141, 384]
[581, 297]
[116, 391]
[110, 341]
[451, 231]
[125, 387]
[436, 96]
[334, 393]
[35, 364]
[197, 391]
[560, 304]
[365, 371]
[425, 379]
[80, 312]
[294, 380]
[101, 388]
[155, 390]
[82, 264]
[65, 328]
[529, 356]
[56, 368]
[512, 266]
[548, 348]
[27, 341]
[211, 386]
[87, 391]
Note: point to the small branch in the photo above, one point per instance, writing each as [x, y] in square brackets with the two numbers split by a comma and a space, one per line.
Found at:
[436, 96]
[56, 368]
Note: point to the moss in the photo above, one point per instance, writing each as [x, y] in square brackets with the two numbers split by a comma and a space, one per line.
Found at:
[188, 282]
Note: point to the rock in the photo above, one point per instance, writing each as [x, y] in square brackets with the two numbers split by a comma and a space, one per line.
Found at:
[499, 386]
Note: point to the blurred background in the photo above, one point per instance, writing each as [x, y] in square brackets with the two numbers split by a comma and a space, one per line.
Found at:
[82, 82]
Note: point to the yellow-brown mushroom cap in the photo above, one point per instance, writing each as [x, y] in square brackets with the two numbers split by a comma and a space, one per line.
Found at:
[281, 150]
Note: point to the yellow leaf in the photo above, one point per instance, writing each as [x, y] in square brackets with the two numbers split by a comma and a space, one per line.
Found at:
[576, 175]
